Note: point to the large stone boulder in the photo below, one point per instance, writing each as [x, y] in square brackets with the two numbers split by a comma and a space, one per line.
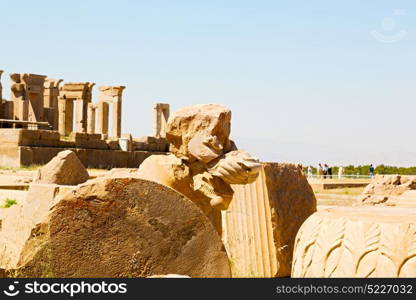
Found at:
[18, 221]
[64, 169]
[261, 223]
[118, 227]
[357, 242]
[188, 125]
[388, 190]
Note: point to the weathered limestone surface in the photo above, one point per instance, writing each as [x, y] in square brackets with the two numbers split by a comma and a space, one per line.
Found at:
[51, 95]
[65, 116]
[202, 161]
[150, 143]
[7, 109]
[118, 227]
[19, 220]
[389, 190]
[27, 95]
[211, 121]
[260, 225]
[102, 116]
[169, 276]
[357, 242]
[91, 118]
[19, 156]
[64, 169]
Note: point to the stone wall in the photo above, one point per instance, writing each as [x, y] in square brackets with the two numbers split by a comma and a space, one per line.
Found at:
[23, 147]
[20, 156]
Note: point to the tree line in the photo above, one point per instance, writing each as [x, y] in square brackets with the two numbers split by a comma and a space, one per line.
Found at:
[365, 170]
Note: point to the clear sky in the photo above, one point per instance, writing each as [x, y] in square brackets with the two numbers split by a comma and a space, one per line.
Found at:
[307, 81]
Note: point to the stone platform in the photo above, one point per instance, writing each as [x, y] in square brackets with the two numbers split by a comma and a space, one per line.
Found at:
[18, 156]
[24, 147]
[336, 185]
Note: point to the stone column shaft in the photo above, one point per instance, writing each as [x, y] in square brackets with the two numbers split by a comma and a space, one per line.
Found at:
[81, 115]
[117, 118]
[102, 125]
[160, 118]
[66, 114]
[91, 118]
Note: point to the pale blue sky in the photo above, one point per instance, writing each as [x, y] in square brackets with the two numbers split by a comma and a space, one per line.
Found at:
[307, 81]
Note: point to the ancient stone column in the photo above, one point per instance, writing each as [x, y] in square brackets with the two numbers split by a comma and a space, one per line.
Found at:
[66, 115]
[91, 118]
[88, 97]
[117, 118]
[51, 95]
[113, 95]
[79, 116]
[259, 243]
[102, 125]
[18, 96]
[28, 96]
[160, 119]
[80, 93]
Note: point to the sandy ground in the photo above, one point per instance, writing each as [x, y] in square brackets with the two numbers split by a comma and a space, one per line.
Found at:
[337, 197]
[10, 178]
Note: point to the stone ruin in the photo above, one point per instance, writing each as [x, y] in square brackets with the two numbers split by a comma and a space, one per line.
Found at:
[172, 215]
[203, 209]
[390, 190]
[45, 116]
[203, 161]
[374, 238]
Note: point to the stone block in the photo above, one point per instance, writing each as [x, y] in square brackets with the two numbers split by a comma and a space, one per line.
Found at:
[357, 242]
[388, 190]
[66, 144]
[140, 146]
[146, 139]
[49, 135]
[105, 232]
[10, 137]
[113, 144]
[261, 223]
[10, 155]
[64, 169]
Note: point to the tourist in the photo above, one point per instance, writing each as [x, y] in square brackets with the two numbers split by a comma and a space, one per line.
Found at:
[329, 172]
[340, 172]
[309, 171]
[325, 170]
[371, 171]
[319, 171]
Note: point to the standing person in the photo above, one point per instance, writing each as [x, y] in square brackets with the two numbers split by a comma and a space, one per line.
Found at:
[329, 172]
[319, 170]
[325, 170]
[371, 171]
[340, 172]
[309, 172]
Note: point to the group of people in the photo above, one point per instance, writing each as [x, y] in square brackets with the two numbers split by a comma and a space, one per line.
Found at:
[324, 171]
